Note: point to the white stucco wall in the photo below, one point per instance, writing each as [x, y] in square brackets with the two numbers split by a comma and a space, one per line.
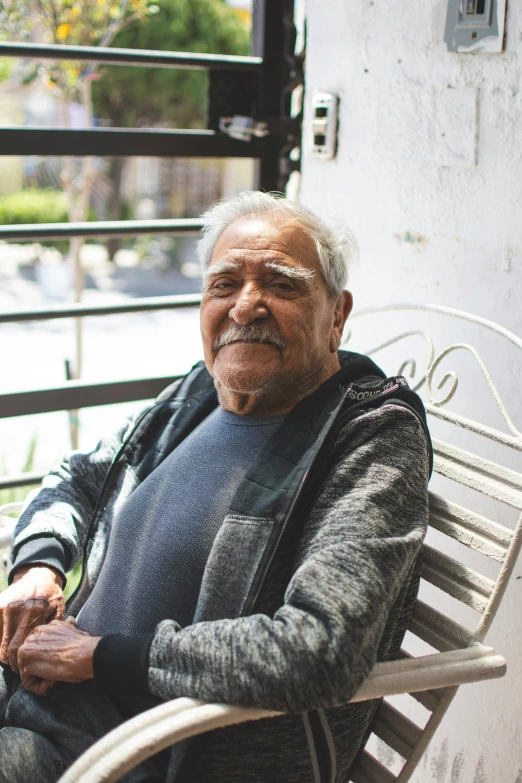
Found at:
[429, 176]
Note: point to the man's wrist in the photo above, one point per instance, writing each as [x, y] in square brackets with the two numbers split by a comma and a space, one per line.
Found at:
[87, 656]
[42, 551]
[40, 570]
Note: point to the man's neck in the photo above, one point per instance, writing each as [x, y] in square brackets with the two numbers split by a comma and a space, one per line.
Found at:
[274, 401]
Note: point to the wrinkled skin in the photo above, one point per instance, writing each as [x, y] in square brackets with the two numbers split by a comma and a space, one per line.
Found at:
[36, 642]
[260, 378]
[56, 652]
[34, 598]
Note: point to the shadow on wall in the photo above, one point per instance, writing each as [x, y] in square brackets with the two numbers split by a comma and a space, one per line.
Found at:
[451, 770]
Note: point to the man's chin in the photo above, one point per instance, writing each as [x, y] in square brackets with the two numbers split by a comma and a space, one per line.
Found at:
[245, 385]
[247, 352]
[247, 368]
[245, 379]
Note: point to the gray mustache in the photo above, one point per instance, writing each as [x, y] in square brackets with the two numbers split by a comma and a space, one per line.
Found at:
[249, 333]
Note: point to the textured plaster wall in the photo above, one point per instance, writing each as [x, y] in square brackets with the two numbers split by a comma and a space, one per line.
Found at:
[429, 176]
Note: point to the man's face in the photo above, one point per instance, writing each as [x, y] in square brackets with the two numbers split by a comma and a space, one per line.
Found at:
[270, 328]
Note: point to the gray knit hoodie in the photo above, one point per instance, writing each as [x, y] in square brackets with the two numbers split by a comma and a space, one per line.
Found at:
[334, 597]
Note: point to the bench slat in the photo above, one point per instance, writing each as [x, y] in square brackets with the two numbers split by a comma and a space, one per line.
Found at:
[478, 473]
[369, 770]
[428, 699]
[456, 579]
[437, 630]
[470, 529]
[397, 731]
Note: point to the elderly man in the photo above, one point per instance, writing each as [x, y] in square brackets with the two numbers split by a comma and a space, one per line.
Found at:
[251, 538]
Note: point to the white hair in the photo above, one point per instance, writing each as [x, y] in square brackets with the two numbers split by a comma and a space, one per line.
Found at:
[335, 249]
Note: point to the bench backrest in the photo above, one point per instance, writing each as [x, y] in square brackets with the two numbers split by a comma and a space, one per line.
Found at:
[469, 554]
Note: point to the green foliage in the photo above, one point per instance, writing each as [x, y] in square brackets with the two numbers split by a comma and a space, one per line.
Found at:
[76, 22]
[6, 68]
[131, 96]
[73, 579]
[34, 206]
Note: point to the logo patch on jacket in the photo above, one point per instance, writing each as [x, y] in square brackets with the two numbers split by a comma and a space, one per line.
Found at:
[364, 393]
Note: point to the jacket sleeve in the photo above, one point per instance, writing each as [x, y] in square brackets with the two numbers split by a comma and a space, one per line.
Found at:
[358, 547]
[52, 530]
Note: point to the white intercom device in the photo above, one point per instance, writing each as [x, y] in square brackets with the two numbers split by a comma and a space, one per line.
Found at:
[324, 124]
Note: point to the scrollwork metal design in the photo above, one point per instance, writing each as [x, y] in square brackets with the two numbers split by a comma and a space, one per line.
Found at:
[485, 372]
[449, 381]
[409, 366]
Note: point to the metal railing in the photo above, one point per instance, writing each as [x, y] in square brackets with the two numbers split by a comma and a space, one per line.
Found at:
[80, 394]
[118, 142]
[74, 395]
[138, 57]
[31, 232]
[258, 86]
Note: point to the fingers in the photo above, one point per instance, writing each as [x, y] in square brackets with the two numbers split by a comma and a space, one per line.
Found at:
[19, 620]
[71, 620]
[59, 610]
[33, 598]
[37, 685]
[8, 629]
[57, 651]
[32, 617]
[32, 661]
[42, 687]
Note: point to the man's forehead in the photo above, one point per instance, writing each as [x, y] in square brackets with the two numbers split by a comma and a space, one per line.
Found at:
[263, 236]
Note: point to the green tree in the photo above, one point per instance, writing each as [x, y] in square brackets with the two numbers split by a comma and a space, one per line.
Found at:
[76, 22]
[131, 96]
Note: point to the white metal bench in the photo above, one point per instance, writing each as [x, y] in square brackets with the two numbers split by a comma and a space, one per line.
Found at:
[451, 649]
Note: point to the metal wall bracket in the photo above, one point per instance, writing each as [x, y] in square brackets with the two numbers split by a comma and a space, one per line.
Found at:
[247, 128]
[243, 128]
[475, 26]
[231, 93]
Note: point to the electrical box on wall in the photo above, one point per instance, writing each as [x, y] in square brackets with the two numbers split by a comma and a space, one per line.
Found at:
[324, 125]
[475, 25]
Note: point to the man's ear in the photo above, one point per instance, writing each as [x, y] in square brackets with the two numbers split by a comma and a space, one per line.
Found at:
[343, 308]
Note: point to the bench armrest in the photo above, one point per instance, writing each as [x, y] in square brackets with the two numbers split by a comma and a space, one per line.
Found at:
[146, 734]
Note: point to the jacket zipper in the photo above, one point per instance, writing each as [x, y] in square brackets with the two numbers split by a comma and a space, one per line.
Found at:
[296, 492]
[101, 497]
[323, 759]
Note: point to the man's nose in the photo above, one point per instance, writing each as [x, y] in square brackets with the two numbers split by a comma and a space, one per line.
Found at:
[249, 305]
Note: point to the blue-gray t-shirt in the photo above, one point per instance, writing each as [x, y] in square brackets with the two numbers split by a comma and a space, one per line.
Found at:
[162, 535]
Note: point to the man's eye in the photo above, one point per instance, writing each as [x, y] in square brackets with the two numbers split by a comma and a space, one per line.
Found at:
[220, 285]
[283, 286]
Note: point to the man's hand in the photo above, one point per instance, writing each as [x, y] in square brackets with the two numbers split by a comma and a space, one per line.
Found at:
[34, 598]
[56, 652]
